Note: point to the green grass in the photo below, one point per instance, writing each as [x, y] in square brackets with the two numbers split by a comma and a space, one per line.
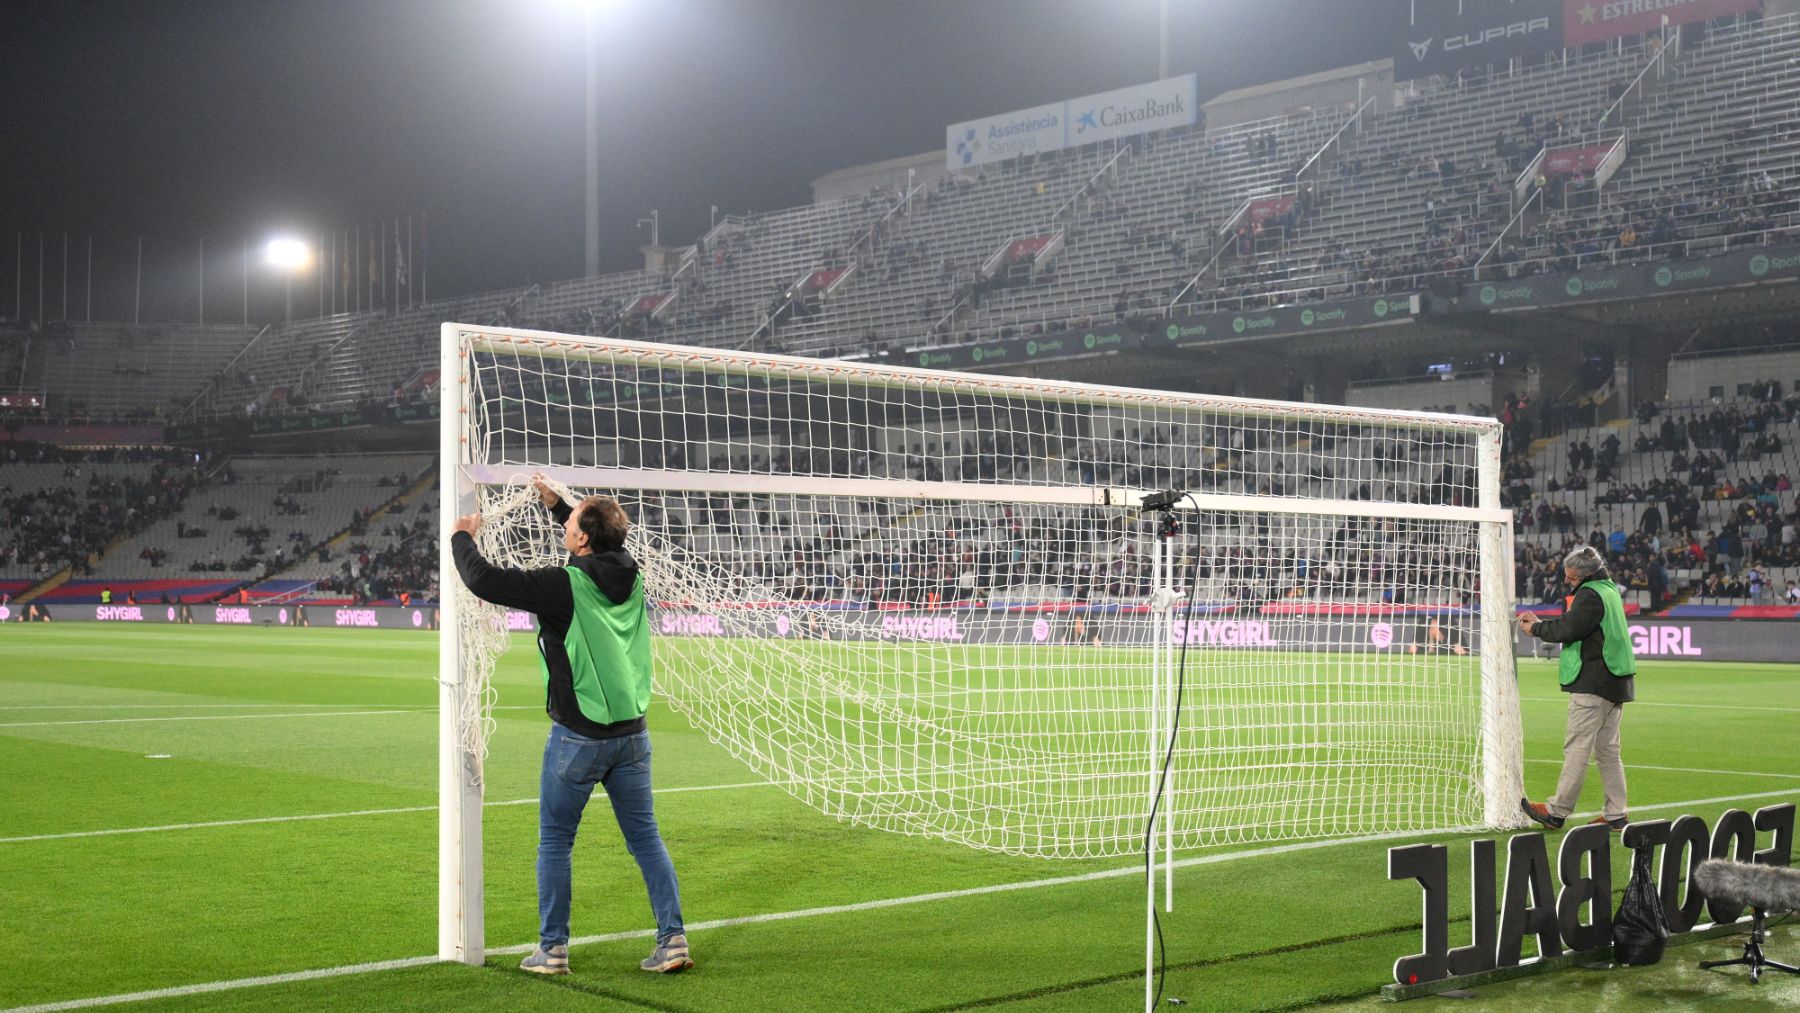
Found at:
[333, 722]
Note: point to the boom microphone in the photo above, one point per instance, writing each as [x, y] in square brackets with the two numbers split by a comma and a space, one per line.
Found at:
[1764, 887]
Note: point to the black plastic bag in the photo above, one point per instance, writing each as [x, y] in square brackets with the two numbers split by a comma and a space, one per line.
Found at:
[1641, 928]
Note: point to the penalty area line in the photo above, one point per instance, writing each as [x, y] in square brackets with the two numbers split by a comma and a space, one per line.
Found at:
[814, 912]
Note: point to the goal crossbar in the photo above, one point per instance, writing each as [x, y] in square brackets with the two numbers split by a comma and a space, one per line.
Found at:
[540, 344]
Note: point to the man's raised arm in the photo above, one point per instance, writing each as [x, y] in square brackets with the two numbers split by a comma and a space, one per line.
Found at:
[544, 591]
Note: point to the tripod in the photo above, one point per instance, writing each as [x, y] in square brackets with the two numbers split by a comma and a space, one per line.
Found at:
[1753, 954]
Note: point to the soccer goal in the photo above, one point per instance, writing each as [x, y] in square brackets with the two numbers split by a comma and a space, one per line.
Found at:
[931, 603]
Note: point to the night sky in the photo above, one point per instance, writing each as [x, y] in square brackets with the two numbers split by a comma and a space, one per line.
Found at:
[237, 119]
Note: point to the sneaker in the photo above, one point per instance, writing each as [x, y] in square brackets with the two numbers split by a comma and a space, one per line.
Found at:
[670, 956]
[1617, 825]
[555, 960]
[1541, 812]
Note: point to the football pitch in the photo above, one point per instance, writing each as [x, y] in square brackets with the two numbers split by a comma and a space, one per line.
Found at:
[190, 807]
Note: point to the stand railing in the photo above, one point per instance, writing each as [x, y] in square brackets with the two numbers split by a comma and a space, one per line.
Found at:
[1672, 40]
[300, 378]
[1091, 180]
[212, 385]
[1355, 120]
[1610, 162]
[1522, 182]
[1229, 244]
[289, 596]
[957, 304]
[1537, 197]
[868, 235]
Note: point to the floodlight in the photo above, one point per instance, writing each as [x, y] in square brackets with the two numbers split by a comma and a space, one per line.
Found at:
[287, 254]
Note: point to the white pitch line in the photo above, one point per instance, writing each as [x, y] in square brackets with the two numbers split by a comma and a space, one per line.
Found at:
[1685, 770]
[1683, 706]
[779, 916]
[306, 817]
[163, 706]
[225, 986]
[212, 706]
[216, 717]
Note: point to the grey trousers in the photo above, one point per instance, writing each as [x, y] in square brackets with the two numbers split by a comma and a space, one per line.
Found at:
[1593, 733]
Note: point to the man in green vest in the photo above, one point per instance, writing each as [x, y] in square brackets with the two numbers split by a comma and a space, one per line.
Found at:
[1598, 671]
[594, 639]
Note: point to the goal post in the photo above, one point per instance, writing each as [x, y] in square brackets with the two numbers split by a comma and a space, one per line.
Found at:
[921, 601]
[460, 783]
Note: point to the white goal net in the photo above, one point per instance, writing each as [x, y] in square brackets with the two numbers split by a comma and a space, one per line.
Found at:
[921, 601]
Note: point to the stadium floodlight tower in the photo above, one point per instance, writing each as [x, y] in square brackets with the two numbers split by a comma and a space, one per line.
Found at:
[932, 603]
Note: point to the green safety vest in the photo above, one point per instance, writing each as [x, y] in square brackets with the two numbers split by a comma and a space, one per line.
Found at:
[1615, 646]
[609, 652]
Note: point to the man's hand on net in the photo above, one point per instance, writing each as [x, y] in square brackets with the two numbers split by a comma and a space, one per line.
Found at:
[547, 494]
[1527, 621]
[470, 523]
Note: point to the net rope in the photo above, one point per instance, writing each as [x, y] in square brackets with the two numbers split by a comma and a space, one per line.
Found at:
[978, 670]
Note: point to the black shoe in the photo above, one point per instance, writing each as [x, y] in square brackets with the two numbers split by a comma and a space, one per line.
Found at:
[1541, 813]
[1617, 825]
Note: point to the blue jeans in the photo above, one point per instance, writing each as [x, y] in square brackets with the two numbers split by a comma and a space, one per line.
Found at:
[573, 764]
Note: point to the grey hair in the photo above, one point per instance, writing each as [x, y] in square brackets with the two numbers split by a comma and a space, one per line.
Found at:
[1584, 562]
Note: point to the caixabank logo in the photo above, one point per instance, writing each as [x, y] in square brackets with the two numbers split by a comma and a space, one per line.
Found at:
[1117, 116]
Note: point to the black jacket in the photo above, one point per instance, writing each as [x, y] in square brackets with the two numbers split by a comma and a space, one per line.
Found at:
[545, 593]
[1580, 622]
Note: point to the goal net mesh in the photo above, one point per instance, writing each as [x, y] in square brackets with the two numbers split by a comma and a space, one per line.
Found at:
[908, 599]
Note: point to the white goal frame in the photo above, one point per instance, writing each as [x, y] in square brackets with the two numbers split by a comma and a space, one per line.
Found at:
[460, 908]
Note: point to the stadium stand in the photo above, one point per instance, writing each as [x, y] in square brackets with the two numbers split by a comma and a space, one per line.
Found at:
[1403, 197]
[1705, 489]
[122, 371]
[1385, 200]
[262, 513]
[65, 508]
